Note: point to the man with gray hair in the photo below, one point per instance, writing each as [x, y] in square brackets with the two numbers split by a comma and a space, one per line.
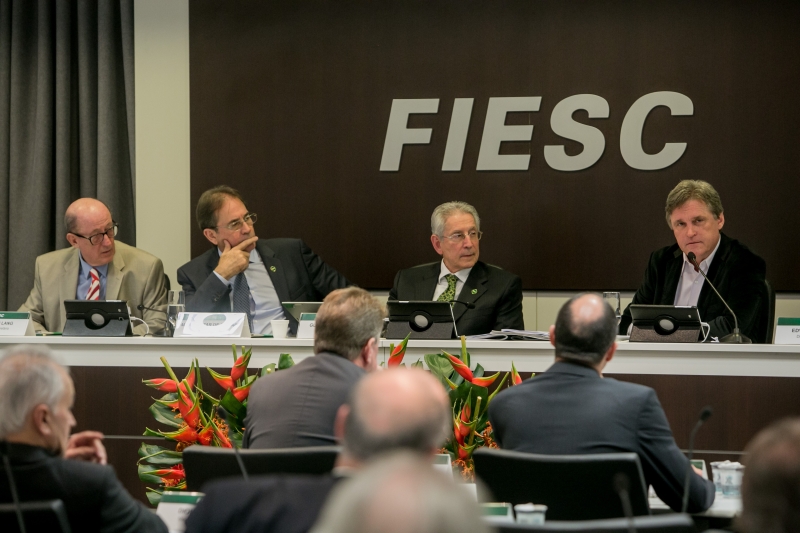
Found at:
[460, 277]
[573, 410]
[694, 214]
[297, 406]
[396, 409]
[36, 395]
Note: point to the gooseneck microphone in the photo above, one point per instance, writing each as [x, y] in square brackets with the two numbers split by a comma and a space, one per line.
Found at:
[736, 337]
[621, 484]
[453, 316]
[142, 307]
[705, 414]
[13, 486]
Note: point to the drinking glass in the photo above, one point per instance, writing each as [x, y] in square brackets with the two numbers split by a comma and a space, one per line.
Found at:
[176, 303]
[613, 299]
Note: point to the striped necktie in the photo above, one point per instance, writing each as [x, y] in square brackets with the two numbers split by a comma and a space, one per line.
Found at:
[94, 288]
[241, 298]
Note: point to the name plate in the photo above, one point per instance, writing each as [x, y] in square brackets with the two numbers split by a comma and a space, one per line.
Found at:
[305, 328]
[787, 331]
[212, 325]
[15, 324]
[175, 507]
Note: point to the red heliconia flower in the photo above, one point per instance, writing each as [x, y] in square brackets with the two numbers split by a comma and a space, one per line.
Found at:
[175, 472]
[185, 434]
[515, 377]
[399, 351]
[185, 402]
[459, 366]
[241, 393]
[466, 412]
[458, 430]
[485, 381]
[192, 417]
[162, 384]
[226, 382]
[224, 441]
[191, 377]
[240, 366]
[205, 436]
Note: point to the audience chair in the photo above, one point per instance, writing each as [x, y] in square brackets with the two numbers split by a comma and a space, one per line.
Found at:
[50, 516]
[668, 523]
[574, 487]
[206, 463]
[770, 312]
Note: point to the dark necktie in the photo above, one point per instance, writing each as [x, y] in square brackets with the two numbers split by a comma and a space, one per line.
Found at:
[241, 298]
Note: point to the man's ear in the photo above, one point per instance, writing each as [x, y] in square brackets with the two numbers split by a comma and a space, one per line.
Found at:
[211, 235]
[553, 335]
[369, 355]
[40, 415]
[72, 240]
[340, 422]
[437, 244]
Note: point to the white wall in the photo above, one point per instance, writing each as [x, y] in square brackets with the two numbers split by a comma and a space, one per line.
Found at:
[163, 210]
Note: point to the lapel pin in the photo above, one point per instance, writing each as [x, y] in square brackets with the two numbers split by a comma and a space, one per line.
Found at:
[474, 291]
[273, 269]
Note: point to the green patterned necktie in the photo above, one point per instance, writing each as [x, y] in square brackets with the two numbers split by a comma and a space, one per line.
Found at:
[449, 293]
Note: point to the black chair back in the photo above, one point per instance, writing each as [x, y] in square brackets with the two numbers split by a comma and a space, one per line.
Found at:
[574, 487]
[205, 463]
[770, 313]
[50, 516]
[668, 523]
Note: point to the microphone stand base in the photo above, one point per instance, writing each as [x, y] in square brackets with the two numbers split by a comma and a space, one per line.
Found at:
[735, 338]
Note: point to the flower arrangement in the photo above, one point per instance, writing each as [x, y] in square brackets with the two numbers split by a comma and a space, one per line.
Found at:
[196, 418]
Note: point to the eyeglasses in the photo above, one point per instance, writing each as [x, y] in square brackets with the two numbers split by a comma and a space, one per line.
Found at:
[97, 238]
[249, 218]
[458, 238]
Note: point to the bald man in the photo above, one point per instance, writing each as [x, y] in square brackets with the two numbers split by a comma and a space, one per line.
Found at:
[572, 409]
[393, 410]
[95, 267]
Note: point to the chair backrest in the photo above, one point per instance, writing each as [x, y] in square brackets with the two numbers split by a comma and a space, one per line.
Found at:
[668, 523]
[574, 487]
[770, 318]
[50, 516]
[205, 463]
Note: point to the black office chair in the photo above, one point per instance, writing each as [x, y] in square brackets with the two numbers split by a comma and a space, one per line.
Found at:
[668, 523]
[770, 313]
[206, 463]
[50, 516]
[574, 487]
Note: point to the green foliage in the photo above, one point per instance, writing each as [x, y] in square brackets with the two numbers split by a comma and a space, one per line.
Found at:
[157, 455]
[165, 415]
[285, 361]
[439, 366]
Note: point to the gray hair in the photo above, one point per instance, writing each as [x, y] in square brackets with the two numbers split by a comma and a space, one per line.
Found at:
[347, 320]
[29, 376]
[444, 211]
[693, 190]
[400, 494]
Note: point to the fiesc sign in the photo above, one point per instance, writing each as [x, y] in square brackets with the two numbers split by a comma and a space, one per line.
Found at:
[495, 132]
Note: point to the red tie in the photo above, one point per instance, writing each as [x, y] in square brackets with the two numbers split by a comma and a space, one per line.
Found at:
[94, 288]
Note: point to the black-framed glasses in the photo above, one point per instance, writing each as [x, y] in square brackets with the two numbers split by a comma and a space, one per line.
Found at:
[459, 237]
[97, 238]
[249, 218]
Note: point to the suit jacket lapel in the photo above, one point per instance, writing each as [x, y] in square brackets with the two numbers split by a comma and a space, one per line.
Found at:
[68, 287]
[275, 270]
[213, 260]
[473, 288]
[673, 277]
[425, 289]
[114, 277]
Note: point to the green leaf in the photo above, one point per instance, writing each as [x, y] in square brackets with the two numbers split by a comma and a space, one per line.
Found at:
[418, 364]
[165, 415]
[235, 411]
[285, 361]
[269, 369]
[146, 475]
[157, 455]
[439, 366]
[153, 496]
[478, 372]
[150, 433]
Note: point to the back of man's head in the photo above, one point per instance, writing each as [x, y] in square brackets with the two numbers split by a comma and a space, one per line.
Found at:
[400, 494]
[347, 320]
[396, 409]
[771, 484]
[585, 330]
[29, 376]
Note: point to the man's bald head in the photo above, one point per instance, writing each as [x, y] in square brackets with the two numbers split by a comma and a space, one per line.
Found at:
[85, 218]
[585, 330]
[400, 408]
[85, 210]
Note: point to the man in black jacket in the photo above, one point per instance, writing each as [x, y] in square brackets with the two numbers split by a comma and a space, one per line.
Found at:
[243, 274]
[695, 215]
[495, 293]
[47, 464]
[572, 409]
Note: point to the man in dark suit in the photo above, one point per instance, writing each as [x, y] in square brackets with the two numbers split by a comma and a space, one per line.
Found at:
[297, 406]
[243, 274]
[695, 216]
[573, 409]
[47, 464]
[397, 409]
[495, 293]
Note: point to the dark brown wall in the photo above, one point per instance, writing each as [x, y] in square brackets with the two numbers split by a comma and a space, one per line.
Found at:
[290, 102]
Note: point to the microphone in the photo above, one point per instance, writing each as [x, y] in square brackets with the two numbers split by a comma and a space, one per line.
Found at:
[735, 337]
[621, 487]
[466, 304]
[167, 332]
[13, 486]
[142, 307]
[705, 414]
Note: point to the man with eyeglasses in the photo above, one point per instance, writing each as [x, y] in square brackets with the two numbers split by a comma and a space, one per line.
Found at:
[96, 267]
[460, 276]
[245, 274]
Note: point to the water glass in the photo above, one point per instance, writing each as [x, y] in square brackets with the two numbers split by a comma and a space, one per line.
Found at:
[176, 304]
[613, 299]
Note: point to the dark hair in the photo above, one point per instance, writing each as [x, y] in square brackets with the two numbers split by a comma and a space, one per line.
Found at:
[771, 483]
[211, 201]
[581, 341]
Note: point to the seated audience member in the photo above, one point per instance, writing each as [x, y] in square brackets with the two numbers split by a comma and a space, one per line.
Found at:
[95, 267]
[573, 409]
[695, 216]
[397, 409]
[297, 406]
[495, 293]
[47, 464]
[245, 274]
[771, 484]
[400, 494]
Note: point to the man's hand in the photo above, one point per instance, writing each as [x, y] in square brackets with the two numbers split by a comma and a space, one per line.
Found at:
[234, 260]
[86, 446]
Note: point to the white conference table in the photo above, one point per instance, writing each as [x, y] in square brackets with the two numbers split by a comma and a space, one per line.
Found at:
[763, 360]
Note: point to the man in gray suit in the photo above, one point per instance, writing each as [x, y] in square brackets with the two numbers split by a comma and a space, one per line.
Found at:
[95, 267]
[297, 407]
[572, 409]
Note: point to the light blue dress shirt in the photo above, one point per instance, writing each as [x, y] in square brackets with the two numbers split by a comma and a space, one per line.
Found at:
[85, 279]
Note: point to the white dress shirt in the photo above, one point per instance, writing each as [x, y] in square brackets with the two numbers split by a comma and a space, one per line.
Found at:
[691, 282]
[441, 286]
